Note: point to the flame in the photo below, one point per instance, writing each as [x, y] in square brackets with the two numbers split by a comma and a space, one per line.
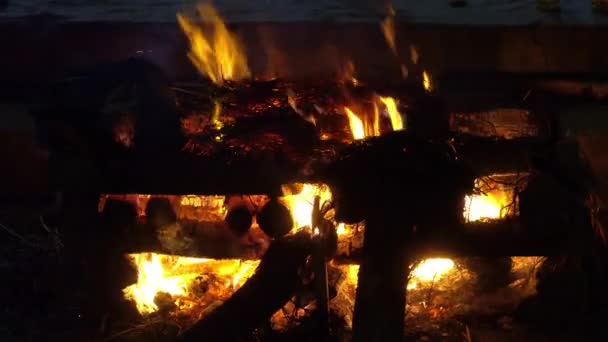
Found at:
[173, 275]
[492, 203]
[356, 125]
[427, 82]
[482, 207]
[388, 29]
[340, 229]
[218, 55]
[393, 112]
[362, 128]
[430, 270]
[301, 204]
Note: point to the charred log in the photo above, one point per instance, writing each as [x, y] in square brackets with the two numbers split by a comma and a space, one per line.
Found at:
[386, 167]
[275, 219]
[239, 220]
[380, 301]
[275, 280]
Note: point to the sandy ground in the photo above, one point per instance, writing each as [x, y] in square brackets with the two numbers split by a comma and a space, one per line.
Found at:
[477, 12]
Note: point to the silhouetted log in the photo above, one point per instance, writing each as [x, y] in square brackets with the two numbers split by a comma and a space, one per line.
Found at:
[383, 169]
[380, 301]
[275, 280]
[85, 111]
[489, 156]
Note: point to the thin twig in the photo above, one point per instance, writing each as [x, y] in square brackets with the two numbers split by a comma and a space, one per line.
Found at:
[17, 236]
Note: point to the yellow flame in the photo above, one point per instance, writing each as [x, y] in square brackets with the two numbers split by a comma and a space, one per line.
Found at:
[491, 204]
[301, 204]
[485, 207]
[427, 82]
[218, 55]
[393, 112]
[429, 270]
[356, 125]
[361, 128]
[341, 229]
[172, 275]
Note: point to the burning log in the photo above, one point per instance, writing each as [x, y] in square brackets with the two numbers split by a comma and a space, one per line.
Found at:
[371, 174]
[275, 280]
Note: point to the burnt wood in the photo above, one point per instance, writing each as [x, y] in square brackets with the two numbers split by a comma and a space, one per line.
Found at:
[273, 283]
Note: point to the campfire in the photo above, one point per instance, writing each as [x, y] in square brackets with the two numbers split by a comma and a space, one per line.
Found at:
[185, 289]
[255, 207]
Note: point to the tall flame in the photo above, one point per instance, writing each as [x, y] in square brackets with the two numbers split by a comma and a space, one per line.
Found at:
[388, 29]
[217, 55]
[356, 125]
[393, 112]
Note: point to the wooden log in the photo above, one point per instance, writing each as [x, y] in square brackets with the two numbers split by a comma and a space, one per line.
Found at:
[275, 280]
[380, 300]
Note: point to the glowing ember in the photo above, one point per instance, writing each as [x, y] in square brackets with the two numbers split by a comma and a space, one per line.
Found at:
[174, 276]
[218, 55]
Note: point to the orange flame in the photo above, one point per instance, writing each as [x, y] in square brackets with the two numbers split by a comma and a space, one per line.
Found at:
[393, 112]
[492, 203]
[356, 125]
[361, 127]
[388, 29]
[173, 275]
[218, 55]
[301, 204]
